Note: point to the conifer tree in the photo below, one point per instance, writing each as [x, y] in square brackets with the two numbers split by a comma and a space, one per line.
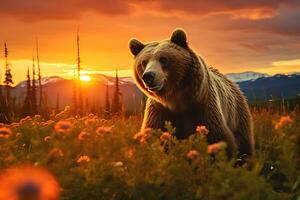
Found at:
[40, 79]
[8, 81]
[57, 104]
[33, 91]
[27, 103]
[116, 102]
[80, 98]
[107, 104]
[87, 106]
[2, 105]
[74, 93]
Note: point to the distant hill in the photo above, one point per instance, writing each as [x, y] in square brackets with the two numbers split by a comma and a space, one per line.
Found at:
[274, 87]
[257, 87]
[94, 91]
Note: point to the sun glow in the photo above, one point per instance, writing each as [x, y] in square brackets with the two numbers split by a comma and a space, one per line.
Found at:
[85, 78]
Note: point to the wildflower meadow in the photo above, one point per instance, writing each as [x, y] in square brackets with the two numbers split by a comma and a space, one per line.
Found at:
[91, 158]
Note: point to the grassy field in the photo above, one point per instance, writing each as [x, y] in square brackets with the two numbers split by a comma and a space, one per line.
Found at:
[91, 158]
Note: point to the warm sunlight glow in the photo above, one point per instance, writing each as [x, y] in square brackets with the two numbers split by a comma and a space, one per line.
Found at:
[85, 78]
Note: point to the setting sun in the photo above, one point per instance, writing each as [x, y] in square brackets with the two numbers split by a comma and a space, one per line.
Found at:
[85, 78]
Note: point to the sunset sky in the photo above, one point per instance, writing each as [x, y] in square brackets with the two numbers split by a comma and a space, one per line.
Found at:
[232, 36]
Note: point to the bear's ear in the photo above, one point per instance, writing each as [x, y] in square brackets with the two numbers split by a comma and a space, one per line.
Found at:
[135, 46]
[179, 37]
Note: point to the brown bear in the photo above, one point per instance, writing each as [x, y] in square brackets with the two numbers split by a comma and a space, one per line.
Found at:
[182, 89]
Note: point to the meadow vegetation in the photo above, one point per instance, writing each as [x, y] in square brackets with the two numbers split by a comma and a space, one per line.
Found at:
[92, 158]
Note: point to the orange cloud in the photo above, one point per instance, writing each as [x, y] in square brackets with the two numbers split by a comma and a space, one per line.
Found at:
[231, 35]
[73, 9]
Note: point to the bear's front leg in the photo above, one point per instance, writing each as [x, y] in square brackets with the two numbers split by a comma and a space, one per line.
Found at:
[218, 131]
[154, 116]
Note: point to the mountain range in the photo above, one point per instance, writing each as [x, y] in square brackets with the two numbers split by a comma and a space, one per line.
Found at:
[245, 76]
[256, 86]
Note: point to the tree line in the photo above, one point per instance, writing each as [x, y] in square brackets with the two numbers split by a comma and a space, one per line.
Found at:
[35, 101]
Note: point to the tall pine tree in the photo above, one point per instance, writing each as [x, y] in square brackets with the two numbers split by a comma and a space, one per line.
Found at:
[57, 104]
[116, 102]
[33, 91]
[8, 81]
[80, 98]
[2, 105]
[74, 93]
[40, 79]
[107, 104]
[27, 103]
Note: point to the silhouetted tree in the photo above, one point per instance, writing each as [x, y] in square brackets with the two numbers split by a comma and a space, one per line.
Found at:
[107, 104]
[57, 104]
[93, 108]
[116, 108]
[27, 103]
[2, 105]
[74, 93]
[87, 106]
[40, 79]
[46, 106]
[8, 81]
[33, 91]
[80, 98]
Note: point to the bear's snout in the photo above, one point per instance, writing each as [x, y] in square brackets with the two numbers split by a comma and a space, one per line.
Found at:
[149, 79]
[153, 76]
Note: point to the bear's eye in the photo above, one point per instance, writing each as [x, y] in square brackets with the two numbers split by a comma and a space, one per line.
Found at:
[163, 60]
[144, 63]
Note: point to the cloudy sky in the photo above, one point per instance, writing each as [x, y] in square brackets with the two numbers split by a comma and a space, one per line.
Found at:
[233, 36]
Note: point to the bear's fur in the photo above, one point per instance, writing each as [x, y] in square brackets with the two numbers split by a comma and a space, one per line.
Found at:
[190, 93]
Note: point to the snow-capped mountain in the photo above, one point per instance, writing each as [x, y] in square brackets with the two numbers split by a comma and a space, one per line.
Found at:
[279, 86]
[245, 76]
[111, 80]
[44, 81]
[258, 87]
[94, 77]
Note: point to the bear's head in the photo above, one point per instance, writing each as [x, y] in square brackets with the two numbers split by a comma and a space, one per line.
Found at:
[162, 68]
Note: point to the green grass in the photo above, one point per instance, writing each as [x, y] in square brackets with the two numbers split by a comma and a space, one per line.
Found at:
[123, 168]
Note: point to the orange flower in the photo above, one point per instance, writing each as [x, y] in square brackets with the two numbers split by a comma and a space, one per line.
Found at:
[138, 136]
[28, 182]
[143, 135]
[83, 159]
[104, 130]
[5, 132]
[193, 155]
[47, 138]
[18, 134]
[56, 152]
[83, 135]
[216, 147]
[166, 136]
[14, 125]
[202, 130]
[89, 121]
[283, 121]
[117, 164]
[25, 120]
[130, 152]
[63, 126]
[37, 117]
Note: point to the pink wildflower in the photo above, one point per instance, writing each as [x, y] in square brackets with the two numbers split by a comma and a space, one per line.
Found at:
[202, 130]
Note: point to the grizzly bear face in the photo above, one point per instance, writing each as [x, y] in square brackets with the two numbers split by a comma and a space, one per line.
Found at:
[161, 67]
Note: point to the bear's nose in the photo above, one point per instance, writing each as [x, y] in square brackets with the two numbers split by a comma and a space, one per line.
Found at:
[148, 78]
